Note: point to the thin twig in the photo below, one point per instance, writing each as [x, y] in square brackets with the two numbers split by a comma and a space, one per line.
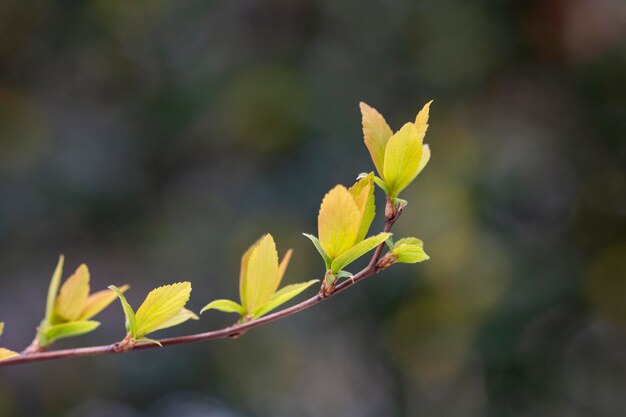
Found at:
[228, 332]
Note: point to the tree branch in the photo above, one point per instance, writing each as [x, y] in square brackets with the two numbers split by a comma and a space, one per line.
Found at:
[392, 215]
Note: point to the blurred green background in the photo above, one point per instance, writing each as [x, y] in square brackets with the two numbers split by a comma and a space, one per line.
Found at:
[156, 140]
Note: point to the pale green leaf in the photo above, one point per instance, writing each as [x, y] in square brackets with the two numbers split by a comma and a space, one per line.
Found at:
[319, 248]
[148, 340]
[53, 289]
[363, 193]
[376, 133]
[227, 306]
[425, 158]
[182, 316]
[74, 328]
[338, 222]
[73, 295]
[98, 301]
[282, 296]
[402, 158]
[409, 250]
[262, 273]
[161, 305]
[382, 185]
[131, 320]
[357, 251]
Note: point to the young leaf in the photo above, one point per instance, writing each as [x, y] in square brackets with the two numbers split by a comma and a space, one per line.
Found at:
[148, 340]
[6, 354]
[409, 250]
[262, 273]
[182, 316]
[161, 305]
[425, 158]
[376, 133]
[363, 194]
[402, 158]
[421, 120]
[74, 328]
[1, 328]
[73, 295]
[282, 296]
[98, 301]
[131, 320]
[227, 306]
[53, 290]
[319, 248]
[338, 221]
[357, 251]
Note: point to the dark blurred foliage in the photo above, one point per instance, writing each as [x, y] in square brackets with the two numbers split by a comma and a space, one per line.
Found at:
[155, 140]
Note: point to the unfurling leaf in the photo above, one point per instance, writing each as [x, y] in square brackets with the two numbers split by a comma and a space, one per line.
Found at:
[70, 329]
[319, 248]
[259, 279]
[161, 305]
[402, 158]
[73, 295]
[69, 308]
[261, 275]
[376, 133]
[338, 221]
[131, 320]
[409, 250]
[53, 289]
[398, 157]
[363, 195]
[227, 306]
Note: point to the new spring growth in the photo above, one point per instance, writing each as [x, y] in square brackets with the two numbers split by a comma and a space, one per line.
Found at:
[259, 279]
[163, 307]
[408, 250]
[344, 219]
[69, 310]
[399, 157]
[5, 353]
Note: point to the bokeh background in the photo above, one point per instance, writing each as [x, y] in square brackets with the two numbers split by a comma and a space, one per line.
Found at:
[155, 140]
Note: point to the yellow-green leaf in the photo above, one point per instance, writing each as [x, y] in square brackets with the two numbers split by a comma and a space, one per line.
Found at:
[376, 133]
[402, 158]
[338, 222]
[284, 263]
[318, 246]
[227, 306]
[243, 272]
[409, 250]
[357, 251]
[182, 316]
[98, 301]
[161, 305]
[262, 273]
[53, 289]
[425, 158]
[1, 328]
[73, 295]
[363, 193]
[282, 296]
[6, 354]
[421, 120]
[131, 320]
[74, 328]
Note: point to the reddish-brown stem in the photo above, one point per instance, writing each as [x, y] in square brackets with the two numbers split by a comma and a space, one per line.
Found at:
[228, 332]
